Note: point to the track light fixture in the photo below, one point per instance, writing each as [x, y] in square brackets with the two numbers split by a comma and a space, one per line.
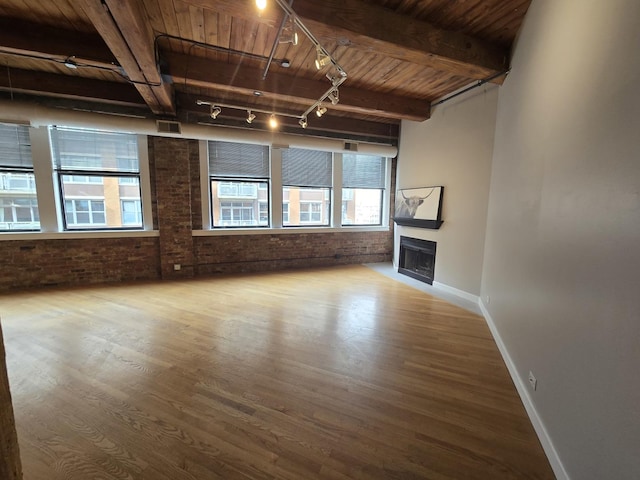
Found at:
[322, 59]
[334, 96]
[289, 33]
[215, 111]
[321, 110]
[290, 24]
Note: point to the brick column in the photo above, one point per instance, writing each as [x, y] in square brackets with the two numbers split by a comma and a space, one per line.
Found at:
[173, 193]
[10, 466]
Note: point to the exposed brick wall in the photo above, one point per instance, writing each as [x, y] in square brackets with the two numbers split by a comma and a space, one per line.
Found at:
[173, 187]
[38, 263]
[250, 253]
[175, 184]
[196, 195]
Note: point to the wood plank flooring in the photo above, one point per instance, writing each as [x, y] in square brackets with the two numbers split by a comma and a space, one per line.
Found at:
[328, 373]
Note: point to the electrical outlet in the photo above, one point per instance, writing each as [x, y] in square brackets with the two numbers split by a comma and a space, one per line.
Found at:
[177, 266]
[532, 381]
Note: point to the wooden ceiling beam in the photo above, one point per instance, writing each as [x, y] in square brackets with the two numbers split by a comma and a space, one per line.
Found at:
[68, 86]
[204, 73]
[125, 30]
[376, 29]
[54, 43]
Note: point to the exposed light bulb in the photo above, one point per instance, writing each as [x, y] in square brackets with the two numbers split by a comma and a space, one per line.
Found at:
[261, 4]
[273, 121]
[250, 116]
[303, 122]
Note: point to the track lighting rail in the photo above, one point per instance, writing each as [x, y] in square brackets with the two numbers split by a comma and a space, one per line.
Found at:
[336, 77]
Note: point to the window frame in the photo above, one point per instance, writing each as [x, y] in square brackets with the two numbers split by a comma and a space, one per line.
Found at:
[61, 172]
[24, 172]
[384, 192]
[278, 220]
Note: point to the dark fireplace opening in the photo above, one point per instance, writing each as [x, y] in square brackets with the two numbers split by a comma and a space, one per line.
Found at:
[417, 258]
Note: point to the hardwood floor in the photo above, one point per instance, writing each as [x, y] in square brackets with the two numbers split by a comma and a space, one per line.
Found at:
[332, 373]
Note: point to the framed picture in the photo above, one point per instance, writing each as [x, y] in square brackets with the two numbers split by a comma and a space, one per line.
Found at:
[419, 207]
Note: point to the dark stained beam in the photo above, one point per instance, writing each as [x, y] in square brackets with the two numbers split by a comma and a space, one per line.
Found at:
[48, 42]
[377, 29]
[126, 32]
[67, 86]
[204, 73]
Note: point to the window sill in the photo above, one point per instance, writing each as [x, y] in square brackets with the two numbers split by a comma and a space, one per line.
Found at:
[84, 234]
[287, 230]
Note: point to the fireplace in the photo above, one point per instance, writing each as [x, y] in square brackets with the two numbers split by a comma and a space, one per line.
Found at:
[417, 258]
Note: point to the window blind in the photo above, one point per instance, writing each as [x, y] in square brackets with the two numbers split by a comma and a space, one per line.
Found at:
[15, 146]
[80, 149]
[363, 171]
[306, 168]
[227, 159]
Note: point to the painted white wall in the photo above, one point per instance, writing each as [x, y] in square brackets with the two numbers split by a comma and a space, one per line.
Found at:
[562, 253]
[453, 148]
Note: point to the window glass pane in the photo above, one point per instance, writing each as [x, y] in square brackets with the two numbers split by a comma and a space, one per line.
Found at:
[19, 213]
[306, 168]
[18, 202]
[99, 178]
[15, 146]
[307, 206]
[131, 212]
[363, 171]
[81, 149]
[240, 203]
[227, 159]
[362, 206]
[101, 203]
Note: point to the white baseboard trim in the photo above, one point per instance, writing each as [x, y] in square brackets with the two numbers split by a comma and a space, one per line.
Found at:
[521, 386]
[457, 292]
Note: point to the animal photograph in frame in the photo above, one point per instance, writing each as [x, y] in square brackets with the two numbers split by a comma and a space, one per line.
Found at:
[419, 207]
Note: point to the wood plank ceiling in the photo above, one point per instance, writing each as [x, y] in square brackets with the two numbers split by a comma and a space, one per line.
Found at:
[158, 57]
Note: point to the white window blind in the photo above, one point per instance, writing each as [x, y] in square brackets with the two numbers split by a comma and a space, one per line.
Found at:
[306, 168]
[15, 147]
[79, 149]
[363, 171]
[227, 159]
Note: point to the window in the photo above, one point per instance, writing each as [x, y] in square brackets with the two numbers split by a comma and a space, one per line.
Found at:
[239, 184]
[237, 189]
[310, 212]
[237, 214]
[307, 177]
[84, 213]
[264, 212]
[97, 171]
[18, 202]
[131, 212]
[80, 179]
[363, 184]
